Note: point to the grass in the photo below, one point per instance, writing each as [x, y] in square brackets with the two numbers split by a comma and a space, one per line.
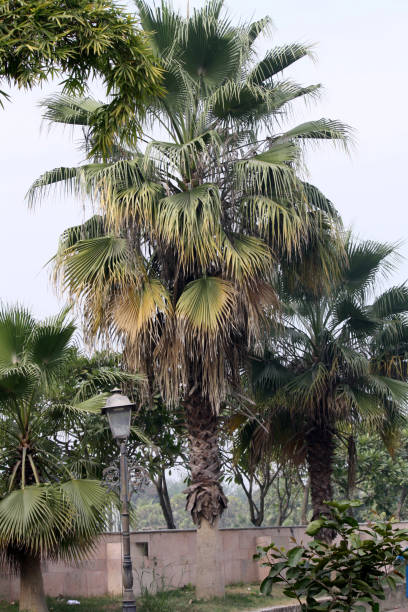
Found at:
[238, 597]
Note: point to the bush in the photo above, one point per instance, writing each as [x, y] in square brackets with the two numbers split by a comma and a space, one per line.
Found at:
[351, 570]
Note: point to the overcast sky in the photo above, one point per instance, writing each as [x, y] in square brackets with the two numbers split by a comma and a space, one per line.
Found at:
[361, 61]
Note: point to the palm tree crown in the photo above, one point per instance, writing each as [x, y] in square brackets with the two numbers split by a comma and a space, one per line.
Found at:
[191, 228]
[336, 361]
[46, 509]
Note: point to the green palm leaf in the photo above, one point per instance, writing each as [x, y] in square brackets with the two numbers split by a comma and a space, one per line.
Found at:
[210, 48]
[394, 301]
[95, 259]
[321, 129]
[207, 305]
[32, 518]
[164, 24]
[366, 261]
[70, 110]
[16, 327]
[49, 344]
[277, 60]
[190, 221]
[262, 26]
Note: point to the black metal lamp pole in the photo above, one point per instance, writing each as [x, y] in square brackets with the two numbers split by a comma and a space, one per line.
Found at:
[129, 604]
[118, 408]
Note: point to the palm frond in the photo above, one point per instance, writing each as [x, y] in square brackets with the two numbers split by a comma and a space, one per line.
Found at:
[262, 26]
[210, 48]
[367, 261]
[139, 310]
[69, 110]
[394, 301]
[190, 221]
[207, 305]
[277, 60]
[16, 326]
[96, 259]
[49, 344]
[321, 129]
[246, 257]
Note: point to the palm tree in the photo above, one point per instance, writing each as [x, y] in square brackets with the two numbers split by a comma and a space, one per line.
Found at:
[179, 263]
[46, 510]
[337, 362]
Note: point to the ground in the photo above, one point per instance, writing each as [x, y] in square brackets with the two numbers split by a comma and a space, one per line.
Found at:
[238, 598]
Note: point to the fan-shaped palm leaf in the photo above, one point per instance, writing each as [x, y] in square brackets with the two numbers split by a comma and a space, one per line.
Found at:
[207, 305]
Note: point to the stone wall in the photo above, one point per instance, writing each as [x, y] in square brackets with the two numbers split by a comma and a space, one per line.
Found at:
[160, 559]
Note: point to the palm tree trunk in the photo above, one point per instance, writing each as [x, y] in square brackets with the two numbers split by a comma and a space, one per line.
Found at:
[351, 467]
[205, 498]
[32, 596]
[320, 450]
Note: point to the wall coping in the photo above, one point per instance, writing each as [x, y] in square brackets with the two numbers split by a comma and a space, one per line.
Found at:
[191, 530]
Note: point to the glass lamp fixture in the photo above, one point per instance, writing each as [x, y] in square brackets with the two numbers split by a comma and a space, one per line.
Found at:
[118, 409]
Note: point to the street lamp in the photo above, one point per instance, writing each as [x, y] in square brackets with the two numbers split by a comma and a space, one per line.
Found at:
[118, 409]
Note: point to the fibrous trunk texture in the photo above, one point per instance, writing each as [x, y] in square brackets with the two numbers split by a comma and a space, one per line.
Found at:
[205, 497]
[320, 450]
[32, 596]
[351, 467]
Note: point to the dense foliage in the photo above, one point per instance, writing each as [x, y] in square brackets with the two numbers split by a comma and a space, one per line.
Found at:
[334, 365]
[379, 477]
[79, 40]
[353, 570]
[47, 508]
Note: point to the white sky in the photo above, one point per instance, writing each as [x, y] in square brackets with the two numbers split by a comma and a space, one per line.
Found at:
[361, 52]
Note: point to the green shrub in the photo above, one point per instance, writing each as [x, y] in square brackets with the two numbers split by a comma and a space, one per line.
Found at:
[352, 570]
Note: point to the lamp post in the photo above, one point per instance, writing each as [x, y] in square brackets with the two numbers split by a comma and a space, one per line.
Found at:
[118, 409]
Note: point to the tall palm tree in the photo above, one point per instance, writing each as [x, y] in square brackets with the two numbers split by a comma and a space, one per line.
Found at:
[336, 362]
[179, 263]
[46, 510]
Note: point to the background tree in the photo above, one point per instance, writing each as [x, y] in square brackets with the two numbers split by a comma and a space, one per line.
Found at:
[381, 477]
[78, 41]
[89, 442]
[166, 450]
[334, 363]
[157, 437]
[46, 509]
[180, 262]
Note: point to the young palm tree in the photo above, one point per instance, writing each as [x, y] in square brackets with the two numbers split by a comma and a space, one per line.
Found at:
[179, 263]
[336, 362]
[46, 510]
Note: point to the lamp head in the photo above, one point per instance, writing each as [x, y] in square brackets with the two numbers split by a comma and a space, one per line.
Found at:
[118, 409]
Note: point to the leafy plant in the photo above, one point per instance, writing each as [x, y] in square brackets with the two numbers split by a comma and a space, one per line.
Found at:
[80, 40]
[353, 570]
[47, 509]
